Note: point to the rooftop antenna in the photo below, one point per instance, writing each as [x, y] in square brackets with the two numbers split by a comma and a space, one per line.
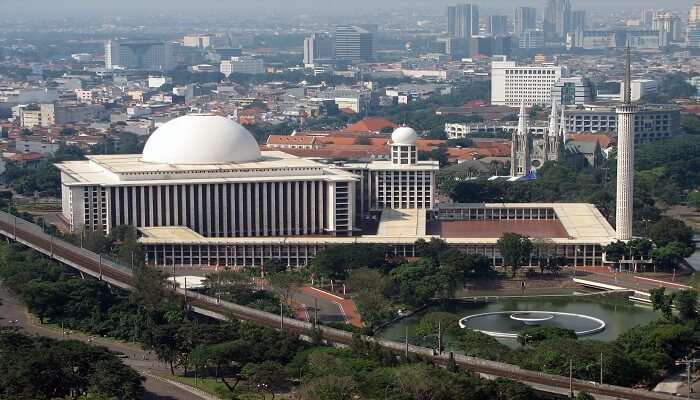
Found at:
[628, 74]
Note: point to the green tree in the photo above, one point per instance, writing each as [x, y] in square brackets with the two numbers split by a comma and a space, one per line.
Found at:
[583, 396]
[661, 302]
[329, 387]
[515, 250]
[668, 230]
[286, 283]
[694, 200]
[336, 261]
[686, 302]
[533, 335]
[368, 287]
[274, 265]
[267, 375]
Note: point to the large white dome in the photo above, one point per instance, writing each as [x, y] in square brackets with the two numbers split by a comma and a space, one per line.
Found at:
[201, 139]
[404, 136]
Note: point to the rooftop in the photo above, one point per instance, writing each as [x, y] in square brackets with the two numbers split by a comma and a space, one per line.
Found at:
[577, 223]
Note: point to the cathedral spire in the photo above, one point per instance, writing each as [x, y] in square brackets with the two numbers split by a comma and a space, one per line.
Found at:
[562, 124]
[522, 120]
[553, 121]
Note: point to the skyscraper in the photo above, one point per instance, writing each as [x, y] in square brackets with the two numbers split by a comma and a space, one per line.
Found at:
[625, 157]
[316, 47]
[669, 27]
[353, 43]
[497, 25]
[525, 19]
[647, 18]
[463, 21]
[145, 55]
[693, 29]
[578, 20]
[557, 18]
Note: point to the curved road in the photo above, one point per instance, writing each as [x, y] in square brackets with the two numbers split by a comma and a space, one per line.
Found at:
[142, 361]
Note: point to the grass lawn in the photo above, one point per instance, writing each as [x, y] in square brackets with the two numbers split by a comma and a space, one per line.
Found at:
[216, 388]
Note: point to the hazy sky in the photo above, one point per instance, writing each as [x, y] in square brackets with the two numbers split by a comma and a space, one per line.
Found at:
[134, 7]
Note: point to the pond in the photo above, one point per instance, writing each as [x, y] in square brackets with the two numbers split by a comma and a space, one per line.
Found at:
[619, 315]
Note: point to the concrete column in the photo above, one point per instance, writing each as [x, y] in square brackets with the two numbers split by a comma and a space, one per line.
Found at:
[625, 172]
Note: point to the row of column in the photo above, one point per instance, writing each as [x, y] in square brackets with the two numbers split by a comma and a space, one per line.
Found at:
[226, 210]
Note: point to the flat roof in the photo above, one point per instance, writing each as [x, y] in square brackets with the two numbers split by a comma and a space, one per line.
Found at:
[540, 229]
[396, 223]
[131, 169]
[577, 223]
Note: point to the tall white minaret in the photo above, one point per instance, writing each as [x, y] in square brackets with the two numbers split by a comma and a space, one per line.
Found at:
[625, 157]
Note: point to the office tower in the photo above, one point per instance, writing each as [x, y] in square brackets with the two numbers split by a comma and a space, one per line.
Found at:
[353, 43]
[578, 20]
[139, 55]
[531, 39]
[463, 21]
[513, 84]
[669, 27]
[497, 25]
[317, 47]
[457, 47]
[242, 65]
[575, 90]
[525, 19]
[557, 19]
[625, 158]
[647, 18]
[693, 29]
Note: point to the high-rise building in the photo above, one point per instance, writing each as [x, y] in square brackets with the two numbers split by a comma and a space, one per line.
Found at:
[463, 21]
[531, 39]
[557, 19]
[575, 90]
[317, 47]
[497, 25]
[669, 27]
[525, 19]
[139, 55]
[647, 18]
[353, 43]
[578, 20]
[692, 36]
[625, 158]
[513, 84]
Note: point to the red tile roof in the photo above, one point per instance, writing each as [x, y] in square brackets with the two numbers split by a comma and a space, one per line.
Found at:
[371, 124]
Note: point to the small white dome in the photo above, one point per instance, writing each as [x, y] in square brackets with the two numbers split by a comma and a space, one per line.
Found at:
[404, 135]
[201, 139]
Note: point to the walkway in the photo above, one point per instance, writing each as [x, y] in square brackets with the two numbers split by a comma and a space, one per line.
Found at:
[145, 363]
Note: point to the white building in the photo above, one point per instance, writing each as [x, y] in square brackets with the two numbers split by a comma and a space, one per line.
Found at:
[402, 182]
[207, 173]
[139, 55]
[154, 82]
[202, 193]
[640, 88]
[513, 84]
[242, 65]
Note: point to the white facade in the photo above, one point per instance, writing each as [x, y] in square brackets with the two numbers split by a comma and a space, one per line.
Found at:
[242, 65]
[640, 88]
[400, 183]
[211, 181]
[513, 84]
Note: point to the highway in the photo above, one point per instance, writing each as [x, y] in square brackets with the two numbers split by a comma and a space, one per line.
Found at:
[118, 275]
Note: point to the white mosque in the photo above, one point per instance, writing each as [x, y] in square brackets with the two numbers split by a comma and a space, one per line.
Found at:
[202, 193]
